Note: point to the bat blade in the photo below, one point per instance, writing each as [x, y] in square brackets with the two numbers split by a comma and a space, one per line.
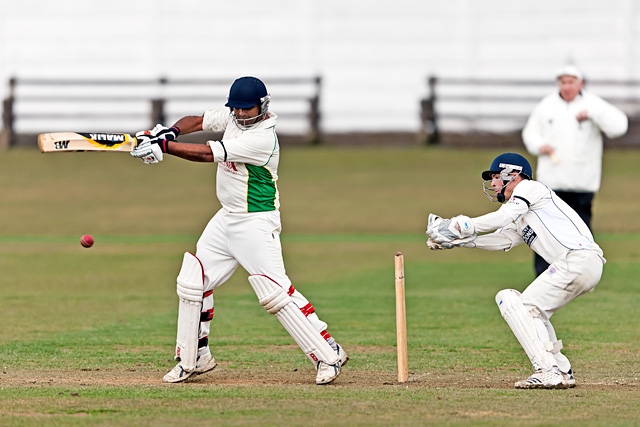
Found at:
[85, 141]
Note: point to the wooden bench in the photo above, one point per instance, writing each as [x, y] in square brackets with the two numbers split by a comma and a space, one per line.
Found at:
[36, 105]
[495, 109]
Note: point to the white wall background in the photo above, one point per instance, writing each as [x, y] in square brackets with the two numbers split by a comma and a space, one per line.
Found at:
[374, 56]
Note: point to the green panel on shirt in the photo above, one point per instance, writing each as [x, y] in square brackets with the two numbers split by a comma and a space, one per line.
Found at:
[261, 189]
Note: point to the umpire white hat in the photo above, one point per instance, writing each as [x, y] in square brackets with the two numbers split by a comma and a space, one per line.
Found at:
[568, 70]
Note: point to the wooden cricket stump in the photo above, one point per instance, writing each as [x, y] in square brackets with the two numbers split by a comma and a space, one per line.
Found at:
[401, 321]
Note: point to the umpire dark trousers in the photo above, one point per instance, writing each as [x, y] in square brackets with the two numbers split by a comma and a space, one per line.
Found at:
[581, 203]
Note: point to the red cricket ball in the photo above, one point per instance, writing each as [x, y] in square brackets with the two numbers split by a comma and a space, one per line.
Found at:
[86, 241]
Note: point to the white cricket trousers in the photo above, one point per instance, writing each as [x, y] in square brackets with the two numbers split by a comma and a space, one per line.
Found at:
[251, 240]
[572, 275]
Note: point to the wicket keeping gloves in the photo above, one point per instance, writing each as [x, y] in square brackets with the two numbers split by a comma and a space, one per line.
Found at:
[456, 243]
[435, 246]
[449, 233]
[149, 150]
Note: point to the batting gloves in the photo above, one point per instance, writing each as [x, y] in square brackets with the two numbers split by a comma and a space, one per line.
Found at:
[170, 134]
[151, 144]
[149, 149]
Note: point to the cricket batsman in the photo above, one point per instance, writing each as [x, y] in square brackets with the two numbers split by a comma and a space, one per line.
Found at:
[244, 232]
[531, 213]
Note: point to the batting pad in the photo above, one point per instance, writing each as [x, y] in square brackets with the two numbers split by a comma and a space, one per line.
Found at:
[523, 326]
[190, 290]
[277, 302]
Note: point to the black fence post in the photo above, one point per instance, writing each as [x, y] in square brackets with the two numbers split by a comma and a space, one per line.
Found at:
[314, 114]
[158, 106]
[428, 114]
[7, 133]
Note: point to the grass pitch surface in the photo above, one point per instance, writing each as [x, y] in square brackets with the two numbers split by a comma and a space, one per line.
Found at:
[87, 334]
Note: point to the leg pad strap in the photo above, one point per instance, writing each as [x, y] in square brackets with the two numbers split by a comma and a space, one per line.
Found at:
[523, 325]
[278, 302]
[190, 289]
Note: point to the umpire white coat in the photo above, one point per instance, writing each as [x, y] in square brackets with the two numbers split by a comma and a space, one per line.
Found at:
[578, 145]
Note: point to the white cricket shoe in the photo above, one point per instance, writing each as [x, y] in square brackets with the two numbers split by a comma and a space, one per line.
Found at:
[539, 379]
[204, 364]
[568, 379]
[328, 373]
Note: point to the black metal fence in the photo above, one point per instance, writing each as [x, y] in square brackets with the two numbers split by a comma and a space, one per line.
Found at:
[41, 104]
[497, 106]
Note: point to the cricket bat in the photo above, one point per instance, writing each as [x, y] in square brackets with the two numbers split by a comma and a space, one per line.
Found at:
[80, 141]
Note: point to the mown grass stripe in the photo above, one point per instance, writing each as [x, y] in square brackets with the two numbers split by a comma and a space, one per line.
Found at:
[292, 238]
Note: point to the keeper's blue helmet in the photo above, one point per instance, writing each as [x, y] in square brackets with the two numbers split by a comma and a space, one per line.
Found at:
[247, 92]
[507, 163]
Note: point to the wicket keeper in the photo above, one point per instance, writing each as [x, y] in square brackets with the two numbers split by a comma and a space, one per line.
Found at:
[531, 213]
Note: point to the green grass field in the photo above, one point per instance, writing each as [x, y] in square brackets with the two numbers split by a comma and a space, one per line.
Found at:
[87, 334]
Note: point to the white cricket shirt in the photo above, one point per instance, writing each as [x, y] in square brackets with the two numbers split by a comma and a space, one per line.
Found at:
[536, 216]
[247, 163]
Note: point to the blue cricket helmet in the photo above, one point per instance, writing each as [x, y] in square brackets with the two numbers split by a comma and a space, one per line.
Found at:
[247, 92]
[509, 162]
